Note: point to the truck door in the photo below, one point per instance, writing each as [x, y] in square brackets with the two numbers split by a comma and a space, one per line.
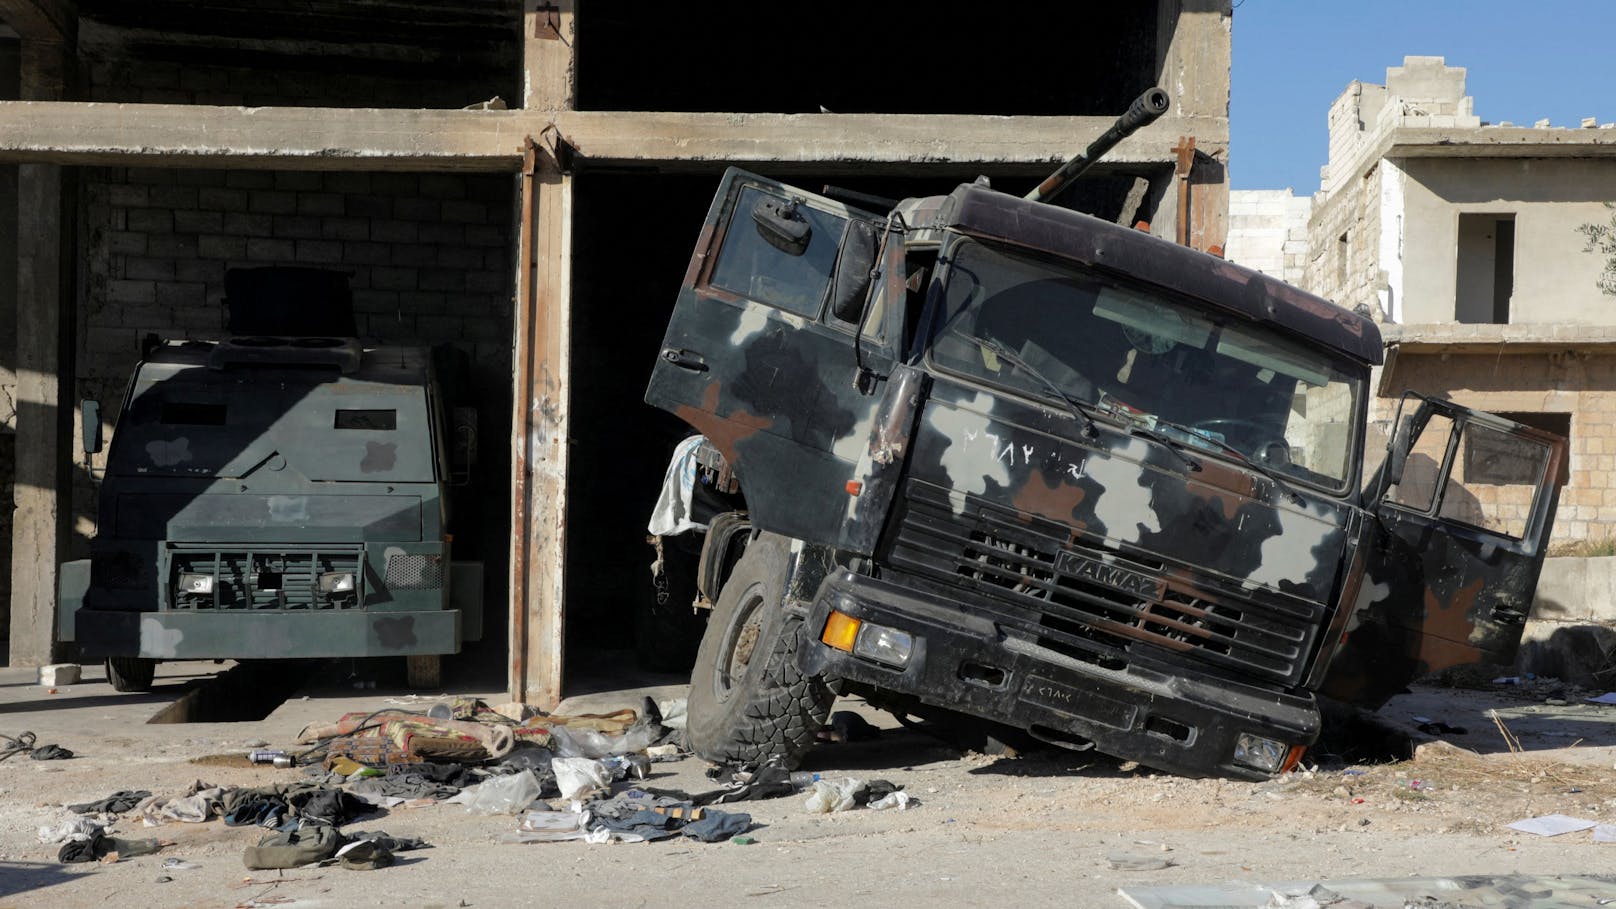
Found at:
[755, 359]
[1452, 551]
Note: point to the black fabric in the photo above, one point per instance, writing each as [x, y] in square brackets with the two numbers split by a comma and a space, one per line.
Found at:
[645, 823]
[100, 846]
[874, 791]
[393, 843]
[329, 806]
[366, 855]
[50, 753]
[116, 803]
[769, 781]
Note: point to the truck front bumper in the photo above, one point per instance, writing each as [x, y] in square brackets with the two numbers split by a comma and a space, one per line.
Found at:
[959, 661]
[269, 634]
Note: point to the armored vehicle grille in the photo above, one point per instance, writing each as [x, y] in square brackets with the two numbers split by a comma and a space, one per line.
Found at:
[263, 579]
[1090, 603]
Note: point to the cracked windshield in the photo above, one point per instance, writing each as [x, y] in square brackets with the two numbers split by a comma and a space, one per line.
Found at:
[1141, 358]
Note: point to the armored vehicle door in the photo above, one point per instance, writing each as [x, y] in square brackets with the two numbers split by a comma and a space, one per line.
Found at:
[1453, 549]
[757, 358]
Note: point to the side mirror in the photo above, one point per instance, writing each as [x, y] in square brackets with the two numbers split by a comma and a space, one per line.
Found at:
[852, 283]
[90, 425]
[781, 225]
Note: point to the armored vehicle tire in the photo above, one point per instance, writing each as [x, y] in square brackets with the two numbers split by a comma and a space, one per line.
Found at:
[748, 701]
[131, 673]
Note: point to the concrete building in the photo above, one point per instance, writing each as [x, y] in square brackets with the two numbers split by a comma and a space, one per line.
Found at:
[152, 144]
[1462, 238]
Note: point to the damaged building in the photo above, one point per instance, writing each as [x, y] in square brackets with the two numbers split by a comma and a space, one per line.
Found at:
[1462, 238]
[508, 178]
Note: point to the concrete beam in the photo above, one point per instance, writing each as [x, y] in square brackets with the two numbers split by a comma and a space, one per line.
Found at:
[42, 20]
[177, 135]
[1497, 142]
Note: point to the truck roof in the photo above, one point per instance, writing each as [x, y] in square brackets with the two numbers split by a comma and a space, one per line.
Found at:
[391, 365]
[980, 211]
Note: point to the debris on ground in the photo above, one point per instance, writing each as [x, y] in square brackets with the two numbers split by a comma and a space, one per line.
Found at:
[25, 743]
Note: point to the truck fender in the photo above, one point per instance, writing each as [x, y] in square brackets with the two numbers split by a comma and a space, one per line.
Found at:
[727, 536]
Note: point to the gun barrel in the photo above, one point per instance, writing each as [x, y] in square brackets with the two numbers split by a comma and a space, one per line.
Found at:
[1144, 110]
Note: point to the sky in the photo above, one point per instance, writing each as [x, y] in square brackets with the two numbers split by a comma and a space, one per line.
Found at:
[1526, 60]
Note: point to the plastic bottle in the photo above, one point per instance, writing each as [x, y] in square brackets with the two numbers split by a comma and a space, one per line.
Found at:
[802, 779]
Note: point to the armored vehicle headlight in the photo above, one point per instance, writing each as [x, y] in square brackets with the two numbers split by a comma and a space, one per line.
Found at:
[337, 582]
[196, 583]
[1257, 752]
[884, 645]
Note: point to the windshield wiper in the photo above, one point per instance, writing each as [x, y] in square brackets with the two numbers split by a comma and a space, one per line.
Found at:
[1243, 458]
[1014, 359]
[1168, 442]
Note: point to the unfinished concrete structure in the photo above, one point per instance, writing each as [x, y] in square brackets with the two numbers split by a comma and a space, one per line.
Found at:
[1462, 238]
[156, 143]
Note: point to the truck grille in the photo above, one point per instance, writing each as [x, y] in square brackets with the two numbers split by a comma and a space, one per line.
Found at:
[263, 579]
[1089, 603]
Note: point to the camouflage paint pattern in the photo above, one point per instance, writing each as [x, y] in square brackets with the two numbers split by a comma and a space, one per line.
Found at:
[1101, 549]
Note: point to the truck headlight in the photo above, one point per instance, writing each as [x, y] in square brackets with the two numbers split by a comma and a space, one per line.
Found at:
[884, 645]
[1259, 753]
[337, 582]
[195, 583]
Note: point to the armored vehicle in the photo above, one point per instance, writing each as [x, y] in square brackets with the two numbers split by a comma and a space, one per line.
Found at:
[1006, 459]
[276, 497]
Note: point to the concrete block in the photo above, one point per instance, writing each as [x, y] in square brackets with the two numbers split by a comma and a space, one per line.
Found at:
[172, 246]
[488, 281]
[297, 227]
[126, 195]
[176, 294]
[394, 231]
[442, 279]
[485, 235]
[460, 257]
[394, 184]
[443, 186]
[464, 212]
[122, 291]
[245, 225]
[272, 202]
[393, 278]
[415, 254]
[222, 199]
[369, 207]
[198, 222]
[300, 180]
[172, 196]
[440, 232]
[150, 220]
[217, 247]
[424, 302]
[265, 249]
[319, 204]
[376, 301]
[58, 675]
[249, 179]
[122, 241]
[142, 269]
[367, 253]
[345, 229]
[417, 209]
[319, 252]
[347, 182]
[155, 176]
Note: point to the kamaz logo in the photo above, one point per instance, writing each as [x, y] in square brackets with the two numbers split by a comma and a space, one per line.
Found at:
[1131, 582]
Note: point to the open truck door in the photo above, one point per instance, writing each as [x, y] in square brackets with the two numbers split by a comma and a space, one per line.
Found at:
[1459, 521]
[760, 356]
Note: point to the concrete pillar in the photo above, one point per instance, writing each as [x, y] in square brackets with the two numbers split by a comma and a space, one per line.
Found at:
[542, 372]
[42, 498]
[1193, 40]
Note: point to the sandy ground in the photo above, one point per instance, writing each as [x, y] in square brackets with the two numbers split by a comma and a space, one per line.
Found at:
[1033, 831]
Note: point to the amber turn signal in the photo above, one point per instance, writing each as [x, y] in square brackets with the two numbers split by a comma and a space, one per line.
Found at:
[841, 630]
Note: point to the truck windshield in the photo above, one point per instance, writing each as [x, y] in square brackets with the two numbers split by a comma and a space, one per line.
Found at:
[1140, 356]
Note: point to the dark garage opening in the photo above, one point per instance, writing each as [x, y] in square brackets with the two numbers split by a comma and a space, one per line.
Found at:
[938, 58]
[632, 239]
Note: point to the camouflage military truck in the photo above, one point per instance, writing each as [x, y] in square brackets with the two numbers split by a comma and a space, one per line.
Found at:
[275, 497]
[1009, 460]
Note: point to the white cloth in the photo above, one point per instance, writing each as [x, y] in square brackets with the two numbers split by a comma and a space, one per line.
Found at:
[671, 516]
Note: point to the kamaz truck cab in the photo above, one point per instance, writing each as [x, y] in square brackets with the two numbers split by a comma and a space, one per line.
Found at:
[270, 497]
[1009, 460]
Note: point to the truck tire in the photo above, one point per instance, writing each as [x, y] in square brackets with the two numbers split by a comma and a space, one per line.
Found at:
[748, 701]
[131, 673]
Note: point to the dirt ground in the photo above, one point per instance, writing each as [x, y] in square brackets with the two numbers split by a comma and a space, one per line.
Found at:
[1043, 830]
